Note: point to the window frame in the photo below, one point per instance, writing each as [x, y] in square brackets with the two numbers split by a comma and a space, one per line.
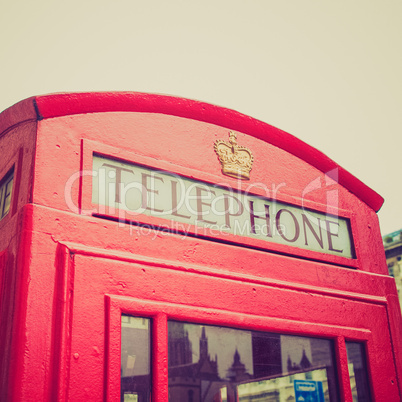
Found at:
[12, 166]
[160, 313]
[4, 182]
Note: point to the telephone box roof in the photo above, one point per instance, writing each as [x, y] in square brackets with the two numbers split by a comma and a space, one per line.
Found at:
[64, 104]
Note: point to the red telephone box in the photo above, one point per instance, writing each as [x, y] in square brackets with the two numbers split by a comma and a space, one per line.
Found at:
[158, 248]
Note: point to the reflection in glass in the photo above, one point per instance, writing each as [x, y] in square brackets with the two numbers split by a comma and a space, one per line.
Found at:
[218, 364]
[6, 187]
[135, 359]
[358, 372]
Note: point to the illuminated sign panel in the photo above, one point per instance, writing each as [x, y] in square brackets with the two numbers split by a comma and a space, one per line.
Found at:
[139, 190]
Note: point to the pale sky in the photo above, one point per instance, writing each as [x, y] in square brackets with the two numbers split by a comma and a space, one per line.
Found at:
[326, 71]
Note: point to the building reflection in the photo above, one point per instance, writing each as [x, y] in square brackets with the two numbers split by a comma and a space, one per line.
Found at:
[225, 365]
[218, 364]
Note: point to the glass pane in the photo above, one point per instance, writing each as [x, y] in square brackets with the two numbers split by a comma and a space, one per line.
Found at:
[2, 190]
[5, 194]
[211, 364]
[135, 359]
[358, 372]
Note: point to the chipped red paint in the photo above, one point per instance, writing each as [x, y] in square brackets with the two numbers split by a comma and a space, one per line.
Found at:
[66, 274]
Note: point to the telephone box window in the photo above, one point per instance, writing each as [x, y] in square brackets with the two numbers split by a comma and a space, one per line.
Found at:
[210, 363]
[6, 186]
[358, 372]
[135, 359]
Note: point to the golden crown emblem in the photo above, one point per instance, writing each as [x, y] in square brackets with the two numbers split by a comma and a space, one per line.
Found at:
[236, 160]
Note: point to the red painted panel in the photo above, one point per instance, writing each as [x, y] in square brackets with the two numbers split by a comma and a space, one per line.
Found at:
[187, 298]
[176, 281]
[191, 254]
[17, 150]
